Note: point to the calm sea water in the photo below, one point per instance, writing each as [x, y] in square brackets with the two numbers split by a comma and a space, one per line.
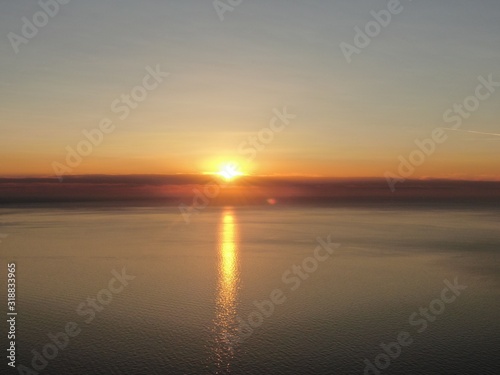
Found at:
[196, 283]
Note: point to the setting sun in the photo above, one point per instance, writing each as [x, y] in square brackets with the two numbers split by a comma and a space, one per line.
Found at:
[229, 171]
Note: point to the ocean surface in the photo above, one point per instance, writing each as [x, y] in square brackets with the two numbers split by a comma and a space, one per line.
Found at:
[224, 294]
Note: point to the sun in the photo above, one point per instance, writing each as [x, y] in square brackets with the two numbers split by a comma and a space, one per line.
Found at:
[229, 171]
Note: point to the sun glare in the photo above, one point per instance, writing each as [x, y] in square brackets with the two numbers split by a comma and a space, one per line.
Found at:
[229, 171]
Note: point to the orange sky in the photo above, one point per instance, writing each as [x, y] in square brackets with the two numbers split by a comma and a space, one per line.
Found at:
[182, 92]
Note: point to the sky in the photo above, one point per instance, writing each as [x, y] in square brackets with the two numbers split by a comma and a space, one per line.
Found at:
[228, 78]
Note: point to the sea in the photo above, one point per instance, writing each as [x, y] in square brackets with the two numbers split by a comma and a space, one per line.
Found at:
[279, 290]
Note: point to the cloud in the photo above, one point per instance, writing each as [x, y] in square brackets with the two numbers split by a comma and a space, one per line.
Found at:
[173, 189]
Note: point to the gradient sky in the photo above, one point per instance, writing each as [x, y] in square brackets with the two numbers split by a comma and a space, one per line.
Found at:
[227, 77]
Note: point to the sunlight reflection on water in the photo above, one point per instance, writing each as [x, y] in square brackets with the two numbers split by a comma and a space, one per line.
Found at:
[227, 291]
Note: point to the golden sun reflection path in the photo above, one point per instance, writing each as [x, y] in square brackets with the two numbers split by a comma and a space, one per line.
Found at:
[227, 292]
